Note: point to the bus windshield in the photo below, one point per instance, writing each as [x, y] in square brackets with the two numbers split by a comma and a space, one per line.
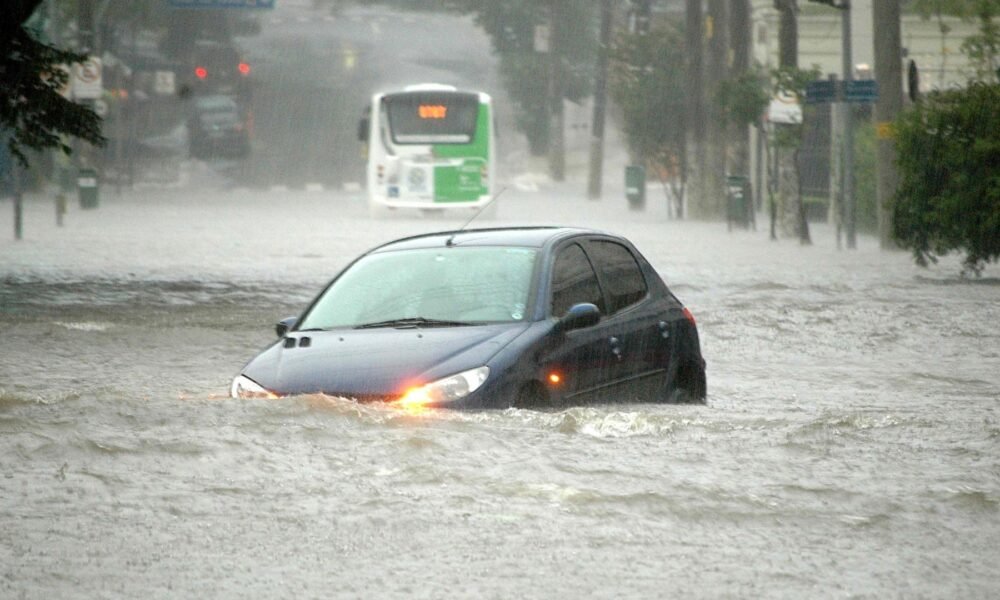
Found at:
[432, 117]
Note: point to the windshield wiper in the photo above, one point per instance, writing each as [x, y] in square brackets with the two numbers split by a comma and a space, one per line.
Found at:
[412, 322]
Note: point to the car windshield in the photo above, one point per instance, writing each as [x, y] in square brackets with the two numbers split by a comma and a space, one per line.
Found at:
[428, 287]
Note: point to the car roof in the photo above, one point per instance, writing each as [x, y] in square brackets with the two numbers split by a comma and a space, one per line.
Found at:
[531, 237]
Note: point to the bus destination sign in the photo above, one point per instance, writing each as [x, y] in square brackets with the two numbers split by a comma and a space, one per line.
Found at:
[432, 111]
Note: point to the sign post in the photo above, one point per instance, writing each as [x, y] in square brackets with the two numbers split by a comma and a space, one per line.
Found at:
[87, 83]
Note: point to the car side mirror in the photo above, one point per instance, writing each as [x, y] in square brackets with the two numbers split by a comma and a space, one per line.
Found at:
[282, 326]
[579, 316]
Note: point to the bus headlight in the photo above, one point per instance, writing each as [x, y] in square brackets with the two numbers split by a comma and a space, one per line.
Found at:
[446, 390]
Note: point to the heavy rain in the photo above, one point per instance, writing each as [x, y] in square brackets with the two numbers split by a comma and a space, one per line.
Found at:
[849, 445]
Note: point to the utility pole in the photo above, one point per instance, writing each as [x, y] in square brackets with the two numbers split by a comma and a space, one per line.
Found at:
[717, 33]
[600, 102]
[889, 75]
[85, 44]
[557, 141]
[739, 44]
[694, 111]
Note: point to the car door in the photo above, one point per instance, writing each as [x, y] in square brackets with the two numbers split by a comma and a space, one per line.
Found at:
[638, 335]
[581, 358]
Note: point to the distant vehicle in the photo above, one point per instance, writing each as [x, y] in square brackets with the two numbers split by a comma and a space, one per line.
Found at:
[430, 147]
[218, 67]
[216, 126]
[489, 318]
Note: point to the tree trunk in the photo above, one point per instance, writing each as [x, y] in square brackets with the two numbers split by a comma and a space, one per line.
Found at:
[889, 74]
[694, 110]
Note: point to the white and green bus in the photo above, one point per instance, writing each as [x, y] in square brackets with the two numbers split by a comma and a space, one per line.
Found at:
[430, 147]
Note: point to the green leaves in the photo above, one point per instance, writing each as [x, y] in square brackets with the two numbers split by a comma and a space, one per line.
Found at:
[949, 162]
[31, 106]
[647, 82]
[744, 99]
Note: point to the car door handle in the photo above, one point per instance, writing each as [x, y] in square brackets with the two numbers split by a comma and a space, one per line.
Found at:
[616, 348]
[664, 329]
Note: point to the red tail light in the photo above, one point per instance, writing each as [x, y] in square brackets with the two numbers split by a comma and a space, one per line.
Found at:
[689, 316]
[200, 72]
[244, 68]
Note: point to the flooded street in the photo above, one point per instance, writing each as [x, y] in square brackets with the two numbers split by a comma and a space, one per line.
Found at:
[849, 447]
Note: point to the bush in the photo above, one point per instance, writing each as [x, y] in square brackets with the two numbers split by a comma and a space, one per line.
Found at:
[949, 165]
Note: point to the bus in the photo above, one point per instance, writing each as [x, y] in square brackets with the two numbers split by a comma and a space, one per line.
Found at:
[429, 147]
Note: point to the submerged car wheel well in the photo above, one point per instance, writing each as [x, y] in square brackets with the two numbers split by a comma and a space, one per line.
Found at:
[688, 385]
[532, 394]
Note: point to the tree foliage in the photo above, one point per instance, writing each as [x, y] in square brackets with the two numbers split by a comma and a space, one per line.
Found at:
[647, 83]
[744, 99]
[983, 47]
[527, 73]
[949, 163]
[31, 107]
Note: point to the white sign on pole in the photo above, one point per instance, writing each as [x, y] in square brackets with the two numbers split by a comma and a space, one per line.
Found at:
[164, 83]
[784, 109]
[87, 84]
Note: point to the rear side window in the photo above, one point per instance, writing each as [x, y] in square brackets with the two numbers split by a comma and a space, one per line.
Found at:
[574, 281]
[620, 273]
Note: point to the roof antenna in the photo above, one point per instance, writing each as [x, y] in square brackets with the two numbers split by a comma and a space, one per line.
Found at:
[451, 239]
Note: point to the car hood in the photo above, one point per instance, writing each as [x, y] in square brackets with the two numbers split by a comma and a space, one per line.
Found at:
[378, 363]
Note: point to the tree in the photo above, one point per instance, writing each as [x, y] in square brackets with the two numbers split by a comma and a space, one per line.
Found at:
[983, 47]
[530, 75]
[648, 85]
[949, 162]
[792, 81]
[31, 107]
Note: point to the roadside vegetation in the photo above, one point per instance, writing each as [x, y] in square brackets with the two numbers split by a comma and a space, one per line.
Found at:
[949, 162]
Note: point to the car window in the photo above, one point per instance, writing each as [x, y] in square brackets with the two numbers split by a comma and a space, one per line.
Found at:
[574, 281]
[452, 284]
[620, 273]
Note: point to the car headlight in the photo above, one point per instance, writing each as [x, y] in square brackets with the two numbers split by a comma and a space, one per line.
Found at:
[244, 387]
[446, 390]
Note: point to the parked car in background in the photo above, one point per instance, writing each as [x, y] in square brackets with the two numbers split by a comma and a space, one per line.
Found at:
[489, 318]
[217, 127]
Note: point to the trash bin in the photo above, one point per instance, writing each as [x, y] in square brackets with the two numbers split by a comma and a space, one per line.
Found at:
[635, 186]
[86, 184]
[739, 208]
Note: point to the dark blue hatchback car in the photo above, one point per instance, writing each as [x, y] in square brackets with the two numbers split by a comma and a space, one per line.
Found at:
[489, 318]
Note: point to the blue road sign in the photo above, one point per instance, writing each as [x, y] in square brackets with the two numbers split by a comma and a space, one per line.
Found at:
[821, 91]
[861, 91]
[222, 3]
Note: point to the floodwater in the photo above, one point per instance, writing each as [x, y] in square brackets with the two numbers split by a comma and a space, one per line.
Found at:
[849, 446]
